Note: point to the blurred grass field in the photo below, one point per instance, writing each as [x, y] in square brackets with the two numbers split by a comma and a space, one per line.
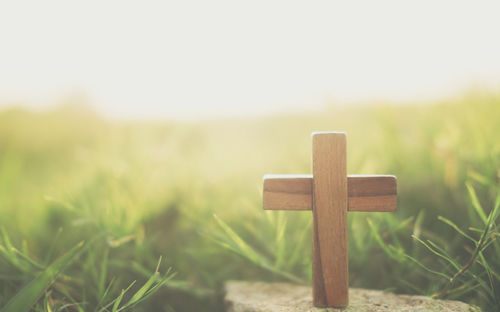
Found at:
[191, 193]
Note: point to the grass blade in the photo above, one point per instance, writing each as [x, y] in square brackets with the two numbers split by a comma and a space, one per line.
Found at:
[437, 253]
[475, 202]
[103, 273]
[118, 301]
[456, 228]
[428, 269]
[27, 296]
[142, 291]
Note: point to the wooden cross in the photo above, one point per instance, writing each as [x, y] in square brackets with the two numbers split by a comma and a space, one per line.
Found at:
[329, 192]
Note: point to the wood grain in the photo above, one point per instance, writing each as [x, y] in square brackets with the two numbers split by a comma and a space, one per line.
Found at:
[330, 271]
[287, 192]
[365, 192]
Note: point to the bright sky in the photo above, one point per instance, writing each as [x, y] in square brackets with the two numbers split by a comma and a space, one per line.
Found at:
[199, 59]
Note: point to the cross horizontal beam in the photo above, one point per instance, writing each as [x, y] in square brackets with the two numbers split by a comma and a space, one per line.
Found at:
[365, 192]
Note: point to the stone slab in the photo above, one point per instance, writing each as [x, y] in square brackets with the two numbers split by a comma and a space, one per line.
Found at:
[282, 297]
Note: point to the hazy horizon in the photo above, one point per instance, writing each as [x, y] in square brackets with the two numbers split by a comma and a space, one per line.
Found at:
[199, 60]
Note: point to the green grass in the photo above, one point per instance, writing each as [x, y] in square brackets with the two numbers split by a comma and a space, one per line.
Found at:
[191, 193]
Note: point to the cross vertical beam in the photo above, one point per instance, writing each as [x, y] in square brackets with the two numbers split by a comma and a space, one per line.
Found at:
[330, 268]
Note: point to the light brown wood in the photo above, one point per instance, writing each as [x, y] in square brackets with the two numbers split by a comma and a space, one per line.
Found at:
[287, 192]
[330, 193]
[330, 272]
[370, 193]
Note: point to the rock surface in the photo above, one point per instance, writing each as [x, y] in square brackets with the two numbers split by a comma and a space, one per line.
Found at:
[281, 297]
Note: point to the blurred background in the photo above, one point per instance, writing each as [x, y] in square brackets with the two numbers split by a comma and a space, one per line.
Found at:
[143, 130]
